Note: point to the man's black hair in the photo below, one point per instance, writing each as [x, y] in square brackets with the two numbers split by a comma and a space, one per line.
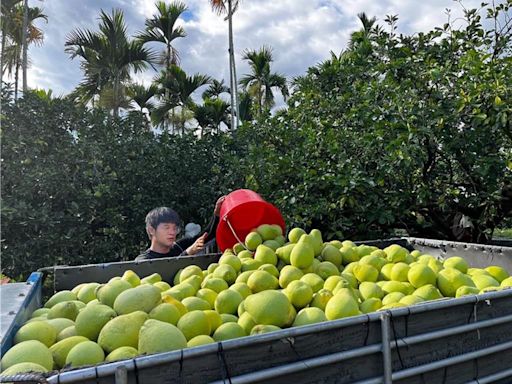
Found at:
[162, 215]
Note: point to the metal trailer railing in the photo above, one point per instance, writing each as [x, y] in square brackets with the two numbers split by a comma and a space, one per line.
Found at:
[464, 340]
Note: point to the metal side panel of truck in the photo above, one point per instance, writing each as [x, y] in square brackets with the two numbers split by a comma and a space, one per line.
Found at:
[452, 341]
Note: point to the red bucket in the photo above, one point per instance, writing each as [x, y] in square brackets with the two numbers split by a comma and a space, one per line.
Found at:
[244, 210]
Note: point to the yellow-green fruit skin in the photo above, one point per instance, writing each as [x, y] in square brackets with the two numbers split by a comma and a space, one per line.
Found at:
[420, 275]
[91, 320]
[157, 336]
[341, 305]
[66, 309]
[24, 368]
[268, 307]
[108, 293]
[200, 340]
[61, 349]
[86, 353]
[228, 331]
[31, 351]
[141, 298]
[193, 324]
[302, 255]
[60, 297]
[39, 330]
[122, 353]
[165, 312]
[308, 316]
[122, 331]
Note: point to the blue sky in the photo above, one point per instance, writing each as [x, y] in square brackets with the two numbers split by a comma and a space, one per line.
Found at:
[301, 32]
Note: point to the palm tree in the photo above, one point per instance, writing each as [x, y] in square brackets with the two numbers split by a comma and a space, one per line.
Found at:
[215, 89]
[176, 89]
[229, 7]
[161, 28]
[7, 26]
[13, 37]
[140, 97]
[361, 40]
[260, 82]
[108, 57]
[212, 114]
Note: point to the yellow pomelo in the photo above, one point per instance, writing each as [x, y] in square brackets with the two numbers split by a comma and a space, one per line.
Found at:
[228, 301]
[60, 323]
[507, 282]
[341, 305]
[162, 286]
[151, 279]
[484, 281]
[193, 303]
[326, 269]
[385, 271]
[214, 318]
[247, 322]
[122, 331]
[314, 281]
[250, 265]
[365, 272]
[456, 262]
[166, 312]
[171, 300]
[411, 300]
[428, 292]
[91, 320]
[200, 340]
[228, 331]
[215, 284]
[225, 272]
[395, 253]
[299, 293]
[308, 316]
[131, 277]
[261, 328]
[242, 288]
[449, 279]
[498, 273]
[23, 368]
[232, 260]
[30, 351]
[393, 297]
[420, 275]
[465, 290]
[284, 253]
[86, 353]
[188, 271]
[227, 318]
[370, 305]
[208, 295]
[122, 353]
[302, 255]
[157, 336]
[321, 298]
[349, 255]
[107, 293]
[65, 333]
[265, 255]
[87, 292]
[61, 349]
[141, 298]
[295, 234]
[399, 271]
[38, 330]
[261, 281]
[252, 240]
[193, 324]
[268, 307]
[288, 274]
[60, 297]
[369, 289]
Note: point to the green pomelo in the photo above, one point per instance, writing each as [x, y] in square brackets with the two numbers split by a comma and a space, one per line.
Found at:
[308, 316]
[60, 297]
[66, 332]
[24, 368]
[214, 319]
[247, 322]
[302, 255]
[228, 301]
[60, 323]
[30, 351]
[61, 349]
[314, 281]
[484, 281]
[321, 298]
[231, 260]
[131, 277]
[38, 330]
[456, 262]
[295, 234]
[284, 253]
[498, 273]
[121, 353]
[141, 298]
[242, 288]
[225, 272]
[261, 281]
[166, 312]
[411, 300]
[399, 272]
[66, 309]
[227, 318]
[420, 275]
[393, 297]
[151, 279]
[193, 324]
[365, 272]
[268, 307]
[200, 340]
[86, 353]
[157, 336]
[88, 292]
[91, 320]
[261, 328]
[288, 274]
[228, 331]
[332, 254]
[369, 289]
[372, 304]
[299, 293]
[122, 331]
[465, 291]
[193, 303]
[252, 240]
[341, 305]
[428, 292]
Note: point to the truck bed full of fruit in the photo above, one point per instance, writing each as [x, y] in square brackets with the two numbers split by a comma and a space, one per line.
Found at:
[464, 340]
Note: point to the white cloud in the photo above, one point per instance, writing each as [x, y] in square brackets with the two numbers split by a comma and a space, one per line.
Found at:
[301, 32]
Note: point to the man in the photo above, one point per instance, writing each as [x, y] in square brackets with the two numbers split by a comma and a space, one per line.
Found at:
[163, 225]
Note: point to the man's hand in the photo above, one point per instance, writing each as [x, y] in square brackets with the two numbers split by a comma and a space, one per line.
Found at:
[197, 246]
[218, 204]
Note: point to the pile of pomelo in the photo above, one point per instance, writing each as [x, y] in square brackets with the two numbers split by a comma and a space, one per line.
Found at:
[263, 285]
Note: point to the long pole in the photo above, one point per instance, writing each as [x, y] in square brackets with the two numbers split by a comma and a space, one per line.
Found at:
[25, 46]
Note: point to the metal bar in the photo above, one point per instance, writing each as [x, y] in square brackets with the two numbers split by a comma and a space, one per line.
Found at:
[121, 376]
[404, 342]
[451, 361]
[386, 348]
[492, 378]
[302, 365]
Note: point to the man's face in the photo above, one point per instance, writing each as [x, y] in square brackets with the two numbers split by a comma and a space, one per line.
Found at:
[165, 234]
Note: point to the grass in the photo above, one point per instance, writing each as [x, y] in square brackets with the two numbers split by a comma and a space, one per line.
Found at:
[503, 233]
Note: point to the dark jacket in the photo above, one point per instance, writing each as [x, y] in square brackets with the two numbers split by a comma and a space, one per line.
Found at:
[179, 248]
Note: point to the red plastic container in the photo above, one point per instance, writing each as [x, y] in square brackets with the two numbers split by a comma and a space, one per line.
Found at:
[244, 210]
